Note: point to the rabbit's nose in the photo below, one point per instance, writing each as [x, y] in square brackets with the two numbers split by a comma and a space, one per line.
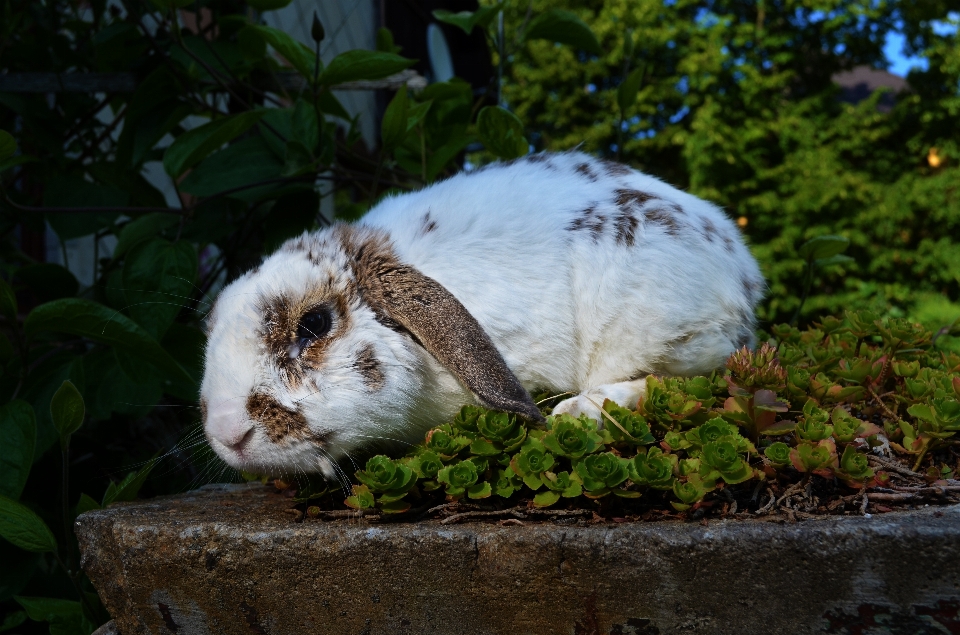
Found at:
[230, 427]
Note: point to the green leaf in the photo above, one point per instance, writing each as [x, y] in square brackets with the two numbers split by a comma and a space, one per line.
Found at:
[394, 128]
[8, 145]
[13, 620]
[13, 162]
[158, 279]
[838, 259]
[65, 616]
[627, 91]
[466, 20]
[501, 132]
[299, 56]
[546, 498]
[23, 528]
[143, 228]
[75, 191]
[94, 321]
[192, 146]
[268, 5]
[823, 247]
[8, 301]
[304, 125]
[242, 163]
[67, 410]
[357, 65]
[18, 435]
[86, 504]
[129, 487]
[557, 25]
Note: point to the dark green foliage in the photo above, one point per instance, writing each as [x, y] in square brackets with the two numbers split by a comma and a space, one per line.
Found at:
[693, 437]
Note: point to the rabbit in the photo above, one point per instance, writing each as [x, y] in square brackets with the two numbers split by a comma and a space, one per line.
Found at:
[557, 271]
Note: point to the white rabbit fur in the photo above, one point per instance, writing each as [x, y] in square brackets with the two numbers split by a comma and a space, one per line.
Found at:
[584, 274]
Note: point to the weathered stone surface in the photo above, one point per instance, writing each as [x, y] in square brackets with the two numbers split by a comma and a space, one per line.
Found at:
[228, 559]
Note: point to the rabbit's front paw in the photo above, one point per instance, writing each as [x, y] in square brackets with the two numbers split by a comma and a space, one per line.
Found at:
[625, 393]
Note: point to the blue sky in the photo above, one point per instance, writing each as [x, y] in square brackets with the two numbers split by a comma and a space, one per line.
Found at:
[900, 64]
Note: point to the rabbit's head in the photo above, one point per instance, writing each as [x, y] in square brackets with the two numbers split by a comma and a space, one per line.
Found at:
[331, 344]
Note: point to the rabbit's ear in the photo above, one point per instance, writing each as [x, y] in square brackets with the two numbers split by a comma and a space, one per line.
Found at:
[401, 294]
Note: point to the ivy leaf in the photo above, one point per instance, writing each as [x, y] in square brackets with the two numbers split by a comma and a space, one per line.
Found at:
[467, 20]
[358, 65]
[192, 146]
[67, 410]
[18, 434]
[94, 321]
[823, 247]
[501, 132]
[564, 27]
[23, 528]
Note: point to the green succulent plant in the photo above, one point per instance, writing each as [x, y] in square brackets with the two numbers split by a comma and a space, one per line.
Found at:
[560, 484]
[600, 473]
[653, 469]
[814, 426]
[723, 460]
[387, 477]
[685, 435]
[445, 442]
[532, 460]
[778, 453]
[625, 426]
[572, 438]
[461, 478]
[853, 466]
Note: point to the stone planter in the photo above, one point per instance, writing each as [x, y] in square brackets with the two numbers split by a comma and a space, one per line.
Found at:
[229, 559]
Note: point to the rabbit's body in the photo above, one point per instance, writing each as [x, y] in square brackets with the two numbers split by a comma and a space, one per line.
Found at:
[583, 274]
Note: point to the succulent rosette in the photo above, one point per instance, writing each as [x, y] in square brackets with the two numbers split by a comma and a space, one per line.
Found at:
[627, 426]
[465, 421]
[653, 469]
[561, 484]
[756, 370]
[818, 458]
[506, 482]
[721, 458]
[572, 438]
[600, 473]
[814, 426]
[853, 466]
[846, 427]
[673, 441]
[532, 460]
[688, 492]
[445, 442]
[461, 478]
[362, 498]
[778, 453]
[387, 477]
[497, 432]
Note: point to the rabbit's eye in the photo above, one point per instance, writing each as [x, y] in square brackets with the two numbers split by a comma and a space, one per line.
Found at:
[314, 325]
